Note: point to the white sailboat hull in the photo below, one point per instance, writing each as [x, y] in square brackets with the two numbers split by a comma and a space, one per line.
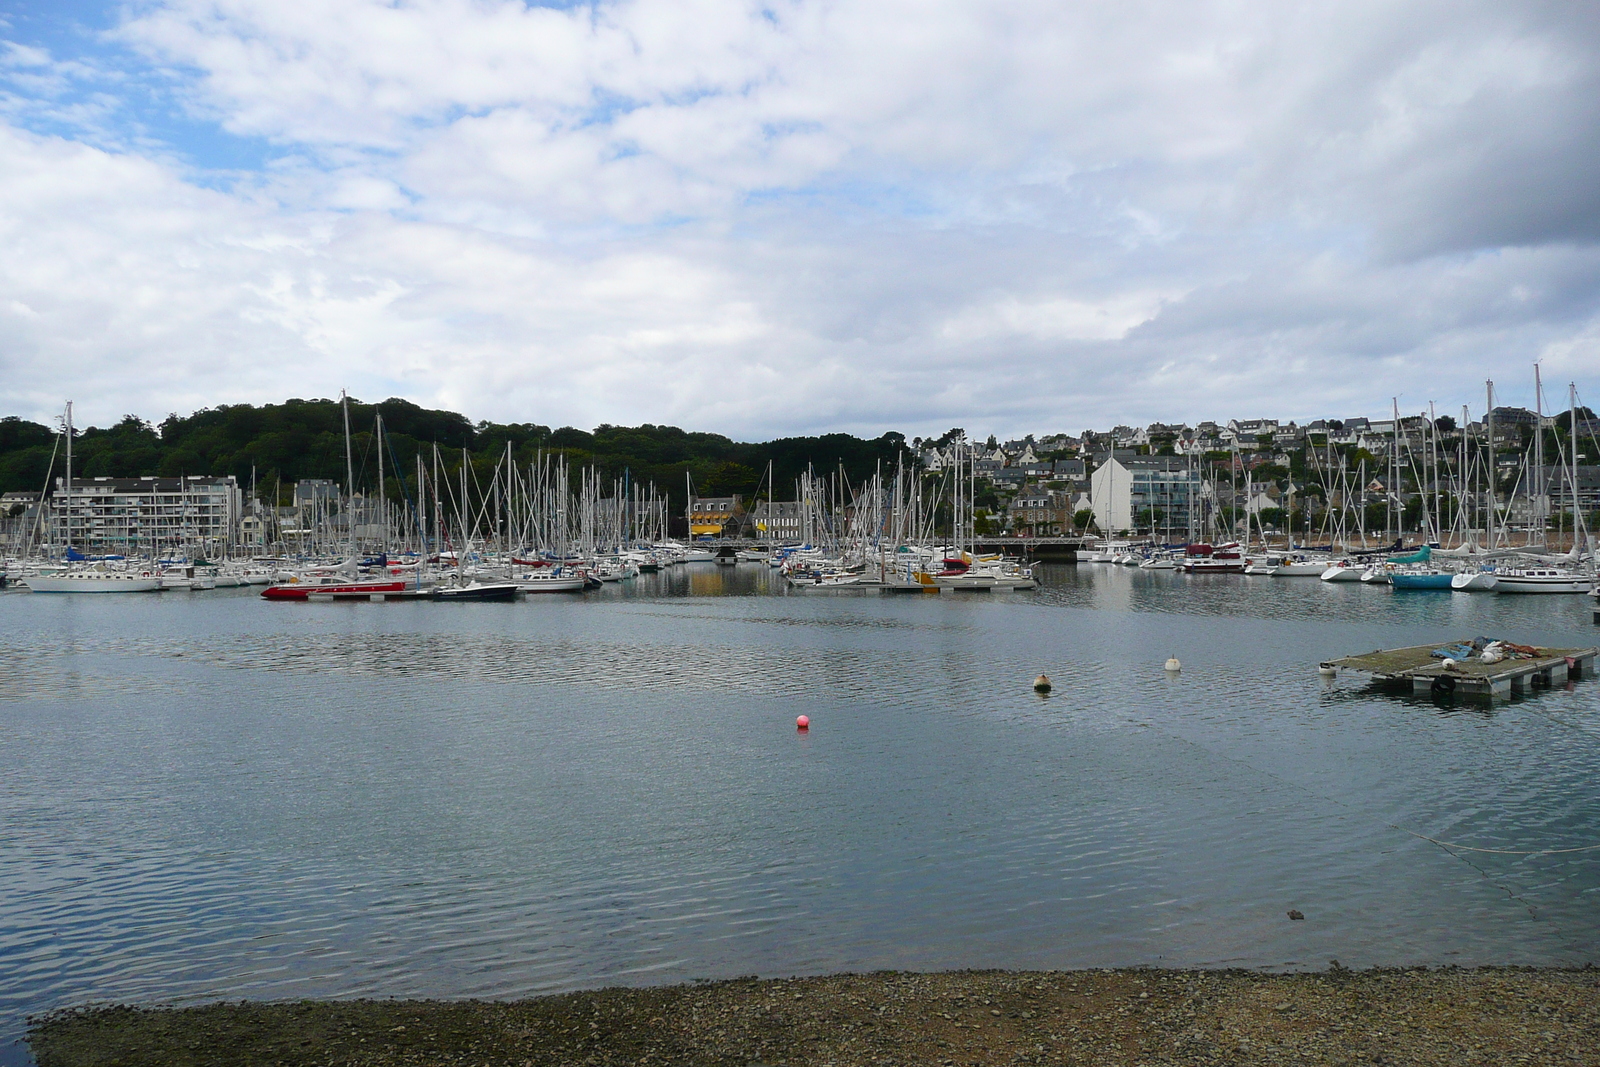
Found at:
[1300, 569]
[93, 583]
[1564, 583]
[551, 585]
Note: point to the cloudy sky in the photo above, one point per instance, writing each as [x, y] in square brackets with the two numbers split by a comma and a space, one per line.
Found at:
[795, 216]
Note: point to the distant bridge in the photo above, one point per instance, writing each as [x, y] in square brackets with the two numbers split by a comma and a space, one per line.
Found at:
[1043, 549]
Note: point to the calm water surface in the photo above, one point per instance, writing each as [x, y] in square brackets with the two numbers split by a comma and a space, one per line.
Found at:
[206, 795]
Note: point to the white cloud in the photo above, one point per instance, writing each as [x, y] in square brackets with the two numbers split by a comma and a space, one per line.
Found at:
[800, 215]
[1054, 319]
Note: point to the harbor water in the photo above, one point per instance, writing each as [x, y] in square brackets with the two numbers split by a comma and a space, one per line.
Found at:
[208, 796]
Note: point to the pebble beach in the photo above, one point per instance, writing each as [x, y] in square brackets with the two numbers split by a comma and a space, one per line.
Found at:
[1132, 1016]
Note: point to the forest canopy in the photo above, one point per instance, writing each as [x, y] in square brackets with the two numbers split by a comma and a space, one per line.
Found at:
[280, 444]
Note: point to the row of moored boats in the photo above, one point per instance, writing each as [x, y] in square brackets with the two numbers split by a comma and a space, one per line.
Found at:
[471, 576]
[1467, 569]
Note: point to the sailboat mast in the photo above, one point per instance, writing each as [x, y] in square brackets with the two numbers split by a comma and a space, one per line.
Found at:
[1537, 483]
[1492, 467]
[1394, 473]
[383, 498]
[1572, 448]
[1437, 455]
[349, 472]
[66, 512]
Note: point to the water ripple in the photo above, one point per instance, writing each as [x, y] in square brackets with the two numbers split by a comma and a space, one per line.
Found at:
[216, 797]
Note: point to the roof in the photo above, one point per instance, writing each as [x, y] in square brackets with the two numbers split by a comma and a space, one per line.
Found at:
[146, 485]
[1154, 463]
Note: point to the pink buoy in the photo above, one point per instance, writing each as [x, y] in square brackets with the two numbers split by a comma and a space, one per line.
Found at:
[802, 722]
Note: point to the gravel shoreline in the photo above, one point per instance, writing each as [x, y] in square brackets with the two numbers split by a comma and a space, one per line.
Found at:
[1132, 1016]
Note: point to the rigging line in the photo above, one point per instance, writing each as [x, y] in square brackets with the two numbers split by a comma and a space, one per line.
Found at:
[1495, 851]
[1547, 717]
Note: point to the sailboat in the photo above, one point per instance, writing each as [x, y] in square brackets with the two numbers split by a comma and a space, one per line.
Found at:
[93, 580]
[83, 576]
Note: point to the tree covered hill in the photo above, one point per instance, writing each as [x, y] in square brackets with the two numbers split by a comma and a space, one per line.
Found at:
[281, 444]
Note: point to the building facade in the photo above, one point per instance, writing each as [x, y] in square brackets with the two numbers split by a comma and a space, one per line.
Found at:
[778, 520]
[1036, 513]
[147, 514]
[1137, 492]
[709, 514]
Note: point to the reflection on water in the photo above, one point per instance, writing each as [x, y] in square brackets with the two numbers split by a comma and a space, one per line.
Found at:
[207, 795]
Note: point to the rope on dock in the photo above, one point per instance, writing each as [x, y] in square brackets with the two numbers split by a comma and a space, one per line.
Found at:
[1496, 851]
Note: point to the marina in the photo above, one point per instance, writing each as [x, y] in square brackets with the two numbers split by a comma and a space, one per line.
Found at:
[214, 796]
[623, 534]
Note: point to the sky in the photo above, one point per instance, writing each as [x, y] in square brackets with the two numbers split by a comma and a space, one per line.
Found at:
[788, 217]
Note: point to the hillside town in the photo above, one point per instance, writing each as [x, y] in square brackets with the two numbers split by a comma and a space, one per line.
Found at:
[1329, 481]
[1350, 475]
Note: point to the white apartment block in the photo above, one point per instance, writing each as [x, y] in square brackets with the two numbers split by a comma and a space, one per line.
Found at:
[144, 514]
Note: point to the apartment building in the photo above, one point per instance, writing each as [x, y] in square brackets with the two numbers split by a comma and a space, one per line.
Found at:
[144, 514]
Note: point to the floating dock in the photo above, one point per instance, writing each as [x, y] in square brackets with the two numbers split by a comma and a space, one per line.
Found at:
[1418, 670]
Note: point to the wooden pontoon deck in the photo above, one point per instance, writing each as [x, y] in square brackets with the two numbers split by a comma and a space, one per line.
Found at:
[1415, 668]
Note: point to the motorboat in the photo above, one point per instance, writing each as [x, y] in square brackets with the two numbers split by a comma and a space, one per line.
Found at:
[331, 586]
[1108, 552]
[1208, 559]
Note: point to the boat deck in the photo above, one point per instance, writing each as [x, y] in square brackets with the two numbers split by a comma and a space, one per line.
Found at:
[1416, 669]
[377, 598]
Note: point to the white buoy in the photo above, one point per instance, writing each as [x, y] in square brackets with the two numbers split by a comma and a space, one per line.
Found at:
[1328, 670]
[1173, 666]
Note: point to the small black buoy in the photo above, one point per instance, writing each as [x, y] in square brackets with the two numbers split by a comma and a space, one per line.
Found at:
[1041, 684]
[1295, 915]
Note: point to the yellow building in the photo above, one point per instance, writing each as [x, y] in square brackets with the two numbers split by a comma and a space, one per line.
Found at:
[708, 515]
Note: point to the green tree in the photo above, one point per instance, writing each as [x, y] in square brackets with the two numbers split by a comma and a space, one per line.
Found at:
[1150, 518]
